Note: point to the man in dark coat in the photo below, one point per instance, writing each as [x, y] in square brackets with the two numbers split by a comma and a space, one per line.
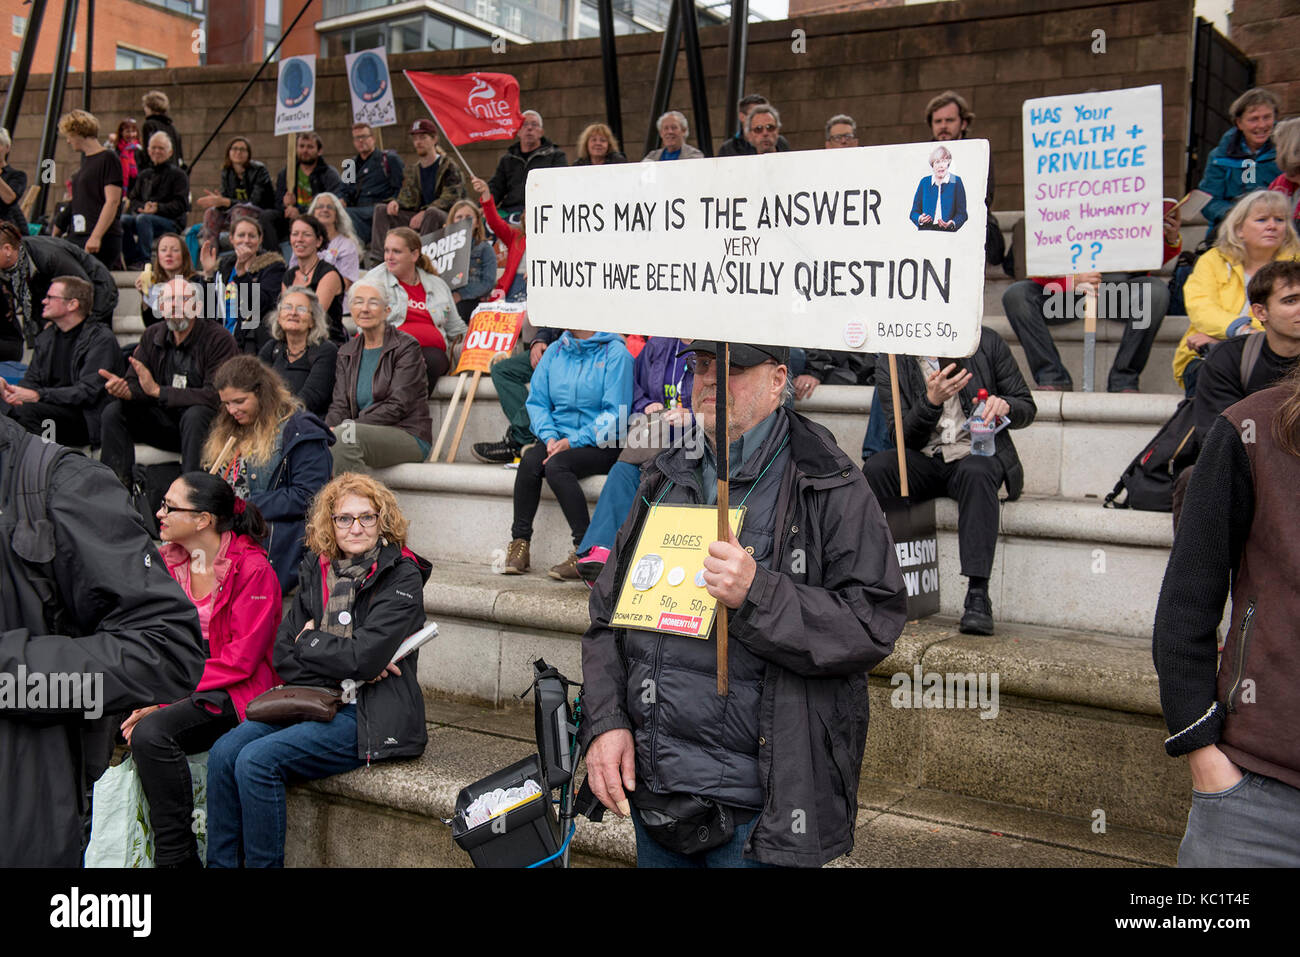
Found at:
[938, 397]
[815, 599]
[531, 151]
[158, 202]
[104, 623]
[62, 395]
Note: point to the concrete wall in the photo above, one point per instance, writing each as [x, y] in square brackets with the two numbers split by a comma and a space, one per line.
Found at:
[1266, 31]
[881, 66]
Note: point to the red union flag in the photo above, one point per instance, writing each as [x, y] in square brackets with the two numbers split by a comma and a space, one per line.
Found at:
[470, 108]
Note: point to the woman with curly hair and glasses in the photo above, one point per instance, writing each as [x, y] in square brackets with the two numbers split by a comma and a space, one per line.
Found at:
[360, 594]
[272, 451]
[211, 548]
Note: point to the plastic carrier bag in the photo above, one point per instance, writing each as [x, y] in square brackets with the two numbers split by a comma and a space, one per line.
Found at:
[120, 832]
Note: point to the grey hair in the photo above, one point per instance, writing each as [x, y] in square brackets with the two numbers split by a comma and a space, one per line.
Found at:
[681, 119]
[940, 151]
[171, 147]
[764, 108]
[379, 290]
[841, 118]
[5, 141]
[319, 330]
[787, 393]
[535, 114]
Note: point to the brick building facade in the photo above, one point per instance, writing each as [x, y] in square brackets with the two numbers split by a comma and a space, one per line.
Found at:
[137, 33]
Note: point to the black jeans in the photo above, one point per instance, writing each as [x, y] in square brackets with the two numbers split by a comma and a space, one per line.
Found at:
[159, 744]
[110, 249]
[972, 481]
[1141, 303]
[562, 474]
[436, 364]
[180, 430]
[69, 423]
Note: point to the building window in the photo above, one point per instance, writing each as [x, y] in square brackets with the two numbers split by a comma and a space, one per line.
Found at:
[20, 25]
[13, 60]
[128, 59]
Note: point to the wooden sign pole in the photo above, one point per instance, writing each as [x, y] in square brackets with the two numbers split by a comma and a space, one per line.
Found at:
[1089, 339]
[899, 444]
[722, 361]
[290, 170]
[220, 462]
[464, 415]
[447, 417]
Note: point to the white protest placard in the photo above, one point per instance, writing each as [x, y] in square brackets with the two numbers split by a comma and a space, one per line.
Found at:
[295, 95]
[825, 249]
[1094, 182]
[371, 88]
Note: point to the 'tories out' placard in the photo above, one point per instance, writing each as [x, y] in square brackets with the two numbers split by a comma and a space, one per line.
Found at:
[1094, 176]
[295, 97]
[870, 249]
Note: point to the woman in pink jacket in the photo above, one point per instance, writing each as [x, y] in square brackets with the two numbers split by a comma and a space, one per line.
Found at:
[212, 551]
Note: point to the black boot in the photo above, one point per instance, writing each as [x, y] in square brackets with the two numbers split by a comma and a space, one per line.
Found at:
[978, 619]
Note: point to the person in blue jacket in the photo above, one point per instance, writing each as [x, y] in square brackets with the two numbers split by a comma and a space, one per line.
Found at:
[661, 405]
[577, 404]
[940, 201]
[272, 452]
[1245, 159]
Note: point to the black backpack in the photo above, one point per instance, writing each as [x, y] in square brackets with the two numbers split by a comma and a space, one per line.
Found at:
[1149, 478]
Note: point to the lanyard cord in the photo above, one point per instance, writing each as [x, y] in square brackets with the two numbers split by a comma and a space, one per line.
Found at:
[753, 486]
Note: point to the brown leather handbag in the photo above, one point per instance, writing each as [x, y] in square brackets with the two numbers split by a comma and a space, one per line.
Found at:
[287, 704]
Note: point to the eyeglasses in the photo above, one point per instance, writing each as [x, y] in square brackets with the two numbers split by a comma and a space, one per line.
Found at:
[700, 363]
[168, 509]
[843, 137]
[344, 522]
[287, 310]
[765, 128]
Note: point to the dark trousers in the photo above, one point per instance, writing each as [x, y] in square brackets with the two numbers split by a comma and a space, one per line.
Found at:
[59, 423]
[562, 474]
[972, 481]
[159, 745]
[1141, 303]
[510, 377]
[126, 422]
[436, 364]
[110, 249]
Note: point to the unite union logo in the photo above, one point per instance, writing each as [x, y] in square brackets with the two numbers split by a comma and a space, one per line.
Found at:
[488, 106]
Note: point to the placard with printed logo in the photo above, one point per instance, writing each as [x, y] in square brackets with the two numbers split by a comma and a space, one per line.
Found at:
[493, 330]
[295, 95]
[663, 588]
[371, 88]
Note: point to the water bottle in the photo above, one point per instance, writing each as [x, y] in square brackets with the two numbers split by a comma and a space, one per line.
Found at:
[981, 434]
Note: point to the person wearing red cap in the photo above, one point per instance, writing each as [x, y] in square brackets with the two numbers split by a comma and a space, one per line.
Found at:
[429, 188]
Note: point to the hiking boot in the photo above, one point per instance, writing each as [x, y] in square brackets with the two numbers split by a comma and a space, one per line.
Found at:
[592, 564]
[567, 570]
[496, 453]
[516, 557]
[978, 619]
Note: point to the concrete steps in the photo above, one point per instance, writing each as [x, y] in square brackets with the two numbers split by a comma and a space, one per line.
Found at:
[391, 814]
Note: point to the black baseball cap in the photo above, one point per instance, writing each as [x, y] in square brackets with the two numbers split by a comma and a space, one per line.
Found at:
[743, 354]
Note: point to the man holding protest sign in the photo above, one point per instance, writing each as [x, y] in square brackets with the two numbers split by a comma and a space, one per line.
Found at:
[813, 548]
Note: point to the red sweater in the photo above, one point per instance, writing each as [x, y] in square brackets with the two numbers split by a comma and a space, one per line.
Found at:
[515, 245]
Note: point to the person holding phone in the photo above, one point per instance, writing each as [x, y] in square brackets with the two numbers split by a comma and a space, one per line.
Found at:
[938, 396]
[360, 595]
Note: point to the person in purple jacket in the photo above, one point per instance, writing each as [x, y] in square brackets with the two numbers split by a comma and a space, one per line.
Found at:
[661, 398]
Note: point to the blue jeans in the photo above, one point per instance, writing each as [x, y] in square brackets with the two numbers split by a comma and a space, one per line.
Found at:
[616, 500]
[877, 438]
[650, 853]
[1255, 823]
[138, 232]
[363, 220]
[247, 771]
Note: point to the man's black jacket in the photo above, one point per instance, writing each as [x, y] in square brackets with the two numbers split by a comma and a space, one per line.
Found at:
[104, 606]
[994, 368]
[507, 183]
[96, 348]
[167, 185]
[323, 177]
[829, 610]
